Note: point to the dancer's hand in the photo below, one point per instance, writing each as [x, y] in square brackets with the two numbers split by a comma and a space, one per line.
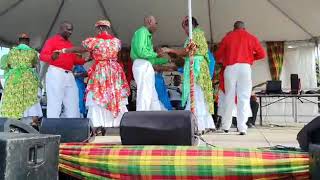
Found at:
[191, 48]
[160, 52]
[166, 50]
[161, 68]
[55, 55]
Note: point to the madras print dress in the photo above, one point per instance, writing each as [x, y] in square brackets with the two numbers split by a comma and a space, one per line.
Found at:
[107, 88]
[21, 82]
[204, 101]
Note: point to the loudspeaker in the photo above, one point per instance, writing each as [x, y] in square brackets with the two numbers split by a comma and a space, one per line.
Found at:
[314, 151]
[295, 83]
[158, 128]
[70, 129]
[12, 125]
[310, 133]
[29, 156]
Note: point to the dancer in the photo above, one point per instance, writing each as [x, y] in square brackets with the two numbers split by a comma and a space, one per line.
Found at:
[20, 94]
[204, 104]
[107, 88]
[144, 57]
[237, 52]
[60, 82]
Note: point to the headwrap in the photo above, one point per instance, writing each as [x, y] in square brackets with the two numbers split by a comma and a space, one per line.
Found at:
[103, 23]
[24, 36]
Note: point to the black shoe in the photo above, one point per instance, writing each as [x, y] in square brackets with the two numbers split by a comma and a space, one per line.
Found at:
[209, 130]
[100, 131]
[200, 133]
[226, 131]
[250, 125]
[242, 133]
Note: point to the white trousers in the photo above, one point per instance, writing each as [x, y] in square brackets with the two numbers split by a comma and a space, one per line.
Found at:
[221, 106]
[61, 89]
[204, 118]
[237, 79]
[147, 96]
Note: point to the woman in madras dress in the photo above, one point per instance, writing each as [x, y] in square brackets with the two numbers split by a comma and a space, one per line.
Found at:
[204, 103]
[20, 94]
[107, 88]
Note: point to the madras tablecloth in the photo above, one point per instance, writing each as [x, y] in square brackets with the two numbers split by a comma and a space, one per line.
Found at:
[102, 161]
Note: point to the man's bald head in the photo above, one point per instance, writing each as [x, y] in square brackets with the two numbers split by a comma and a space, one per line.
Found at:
[239, 25]
[151, 23]
[66, 29]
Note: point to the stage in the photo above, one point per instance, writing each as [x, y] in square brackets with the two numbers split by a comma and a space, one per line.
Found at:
[261, 136]
[233, 157]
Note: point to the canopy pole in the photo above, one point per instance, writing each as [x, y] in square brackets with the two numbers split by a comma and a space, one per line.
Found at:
[318, 55]
[192, 93]
[210, 23]
[10, 7]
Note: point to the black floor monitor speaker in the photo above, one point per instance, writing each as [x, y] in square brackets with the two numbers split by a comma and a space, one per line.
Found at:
[158, 128]
[70, 129]
[310, 133]
[295, 83]
[12, 125]
[28, 156]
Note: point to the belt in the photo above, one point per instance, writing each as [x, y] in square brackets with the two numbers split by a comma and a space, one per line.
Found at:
[61, 69]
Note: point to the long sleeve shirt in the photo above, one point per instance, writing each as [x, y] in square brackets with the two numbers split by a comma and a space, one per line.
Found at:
[239, 46]
[64, 61]
[142, 47]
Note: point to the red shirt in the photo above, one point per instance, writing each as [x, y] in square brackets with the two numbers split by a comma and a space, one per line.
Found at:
[64, 61]
[239, 46]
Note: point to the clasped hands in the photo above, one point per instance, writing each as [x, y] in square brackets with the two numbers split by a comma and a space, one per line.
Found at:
[56, 53]
[191, 49]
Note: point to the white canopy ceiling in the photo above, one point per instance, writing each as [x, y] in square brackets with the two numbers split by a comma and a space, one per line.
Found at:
[268, 19]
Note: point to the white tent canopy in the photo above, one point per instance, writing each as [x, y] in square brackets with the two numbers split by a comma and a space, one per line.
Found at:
[269, 19]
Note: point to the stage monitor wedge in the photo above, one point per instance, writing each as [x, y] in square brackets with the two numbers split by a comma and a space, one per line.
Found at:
[12, 125]
[158, 128]
[309, 134]
[70, 129]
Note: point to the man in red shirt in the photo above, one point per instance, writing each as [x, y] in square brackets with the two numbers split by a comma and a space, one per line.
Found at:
[237, 52]
[60, 82]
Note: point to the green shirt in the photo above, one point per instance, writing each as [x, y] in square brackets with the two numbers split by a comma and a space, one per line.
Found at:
[142, 47]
